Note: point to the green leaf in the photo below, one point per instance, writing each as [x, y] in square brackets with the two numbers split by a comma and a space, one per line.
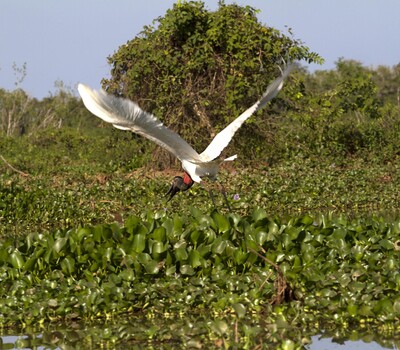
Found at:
[158, 248]
[240, 256]
[219, 327]
[127, 275]
[31, 262]
[181, 253]
[187, 270]
[178, 224]
[307, 220]
[240, 309]
[221, 221]
[386, 244]
[261, 237]
[219, 245]
[83, 232]
[195, 258]
[339, 233]
[144, 258]
[259, 214]
[152, 267]
[4, 256]
[68, 265]
[139, 242]
[195, 212]
[107, 254]
[170, 271]
[168, 224]
[293, 232]
[352, 310]
[195, 235]
[59, 244]
[16, 259]
[159, 234]
[273, 228]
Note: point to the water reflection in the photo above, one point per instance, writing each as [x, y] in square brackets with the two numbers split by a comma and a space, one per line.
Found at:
[142, 333]
[319, 343]
[29, 341]
[24, 342]
[352, 340]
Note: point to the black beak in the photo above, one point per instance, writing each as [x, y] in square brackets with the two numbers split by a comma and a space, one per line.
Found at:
[173, 190]
[179, 184]
[175, 187]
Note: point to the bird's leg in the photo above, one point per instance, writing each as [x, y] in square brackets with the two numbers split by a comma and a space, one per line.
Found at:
[212, 196]
[209, 190]
[222, 189]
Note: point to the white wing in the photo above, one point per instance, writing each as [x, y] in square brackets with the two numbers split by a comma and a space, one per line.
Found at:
[222, 139]
[127, 115]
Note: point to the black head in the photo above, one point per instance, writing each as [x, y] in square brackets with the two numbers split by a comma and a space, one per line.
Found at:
[179, 184]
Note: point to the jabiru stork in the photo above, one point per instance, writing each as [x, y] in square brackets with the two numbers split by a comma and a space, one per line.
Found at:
[127, 115]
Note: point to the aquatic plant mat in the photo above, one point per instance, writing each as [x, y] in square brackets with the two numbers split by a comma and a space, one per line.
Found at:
[95, 260]
[219, 277]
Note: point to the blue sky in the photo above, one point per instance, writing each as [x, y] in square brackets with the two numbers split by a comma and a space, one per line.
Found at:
[69, 40]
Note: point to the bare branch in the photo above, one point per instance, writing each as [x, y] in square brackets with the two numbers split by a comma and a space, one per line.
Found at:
[12, 168]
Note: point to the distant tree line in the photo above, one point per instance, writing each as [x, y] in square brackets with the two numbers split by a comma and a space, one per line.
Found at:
[197, 70]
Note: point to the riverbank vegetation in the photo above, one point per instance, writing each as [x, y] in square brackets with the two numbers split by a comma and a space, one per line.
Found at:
[313, 238]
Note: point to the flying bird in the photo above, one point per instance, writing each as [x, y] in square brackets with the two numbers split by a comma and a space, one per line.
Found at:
[127, 115]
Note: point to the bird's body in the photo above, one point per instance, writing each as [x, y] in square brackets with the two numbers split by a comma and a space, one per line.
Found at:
[197, 170]
[127, 115]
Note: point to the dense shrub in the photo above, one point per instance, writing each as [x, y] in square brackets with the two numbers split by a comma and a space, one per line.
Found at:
[197, 70]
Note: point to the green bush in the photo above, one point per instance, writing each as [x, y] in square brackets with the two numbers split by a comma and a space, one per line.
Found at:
[228, 56]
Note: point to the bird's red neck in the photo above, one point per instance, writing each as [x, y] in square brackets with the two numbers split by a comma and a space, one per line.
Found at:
[187, 179]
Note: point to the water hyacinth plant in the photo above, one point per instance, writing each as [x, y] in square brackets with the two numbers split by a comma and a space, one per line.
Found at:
[219, 263]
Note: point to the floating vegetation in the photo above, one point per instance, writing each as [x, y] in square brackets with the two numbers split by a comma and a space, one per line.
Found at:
[311, 244]
[341, 272]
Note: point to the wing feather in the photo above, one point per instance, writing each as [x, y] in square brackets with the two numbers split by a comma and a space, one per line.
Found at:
[222, 139]
[127, 115]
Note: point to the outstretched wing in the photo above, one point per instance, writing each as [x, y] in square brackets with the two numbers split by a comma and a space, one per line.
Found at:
[222, 139]
[127, 115]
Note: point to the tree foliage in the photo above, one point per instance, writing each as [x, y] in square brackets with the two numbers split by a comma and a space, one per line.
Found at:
[21, 114]
[346, 111]
[197, 69]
